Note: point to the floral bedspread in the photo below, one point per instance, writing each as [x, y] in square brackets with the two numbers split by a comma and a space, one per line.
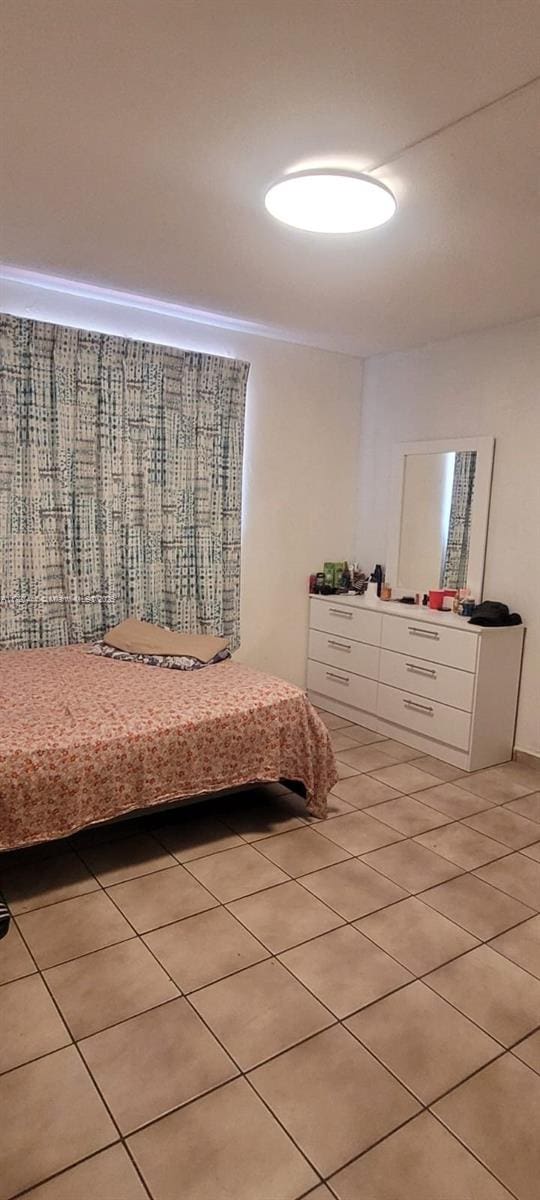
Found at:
[84, 738]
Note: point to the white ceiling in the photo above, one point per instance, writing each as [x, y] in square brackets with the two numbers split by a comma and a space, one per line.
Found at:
[140, 136]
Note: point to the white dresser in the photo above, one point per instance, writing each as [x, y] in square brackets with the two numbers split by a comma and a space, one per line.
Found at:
[429, 679]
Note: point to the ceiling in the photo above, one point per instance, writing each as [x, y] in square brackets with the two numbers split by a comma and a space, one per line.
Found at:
[140, 135]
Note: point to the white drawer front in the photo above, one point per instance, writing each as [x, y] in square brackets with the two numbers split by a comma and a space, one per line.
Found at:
[428, 679]
[449, 725]
[346, 621]
[342, 685]
[342, 652]
[434, 642]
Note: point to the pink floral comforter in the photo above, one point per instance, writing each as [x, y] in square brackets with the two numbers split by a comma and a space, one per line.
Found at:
[84, 739]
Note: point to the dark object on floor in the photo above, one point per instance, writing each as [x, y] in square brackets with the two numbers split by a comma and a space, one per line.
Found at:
[4, 919]
[490, 612]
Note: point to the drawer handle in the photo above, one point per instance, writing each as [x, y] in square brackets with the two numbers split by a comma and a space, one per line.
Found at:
[422, 670]
[339, 645]
[429, 633]
[341, 612]
[422, 707]
[338, 678]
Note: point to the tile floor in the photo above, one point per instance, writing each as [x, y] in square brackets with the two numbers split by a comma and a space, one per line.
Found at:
[233, 1000]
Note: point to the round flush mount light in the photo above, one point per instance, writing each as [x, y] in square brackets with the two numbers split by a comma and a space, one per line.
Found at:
[328, 201]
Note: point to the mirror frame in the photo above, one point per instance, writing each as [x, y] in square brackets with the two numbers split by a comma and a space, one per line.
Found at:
[484, 447]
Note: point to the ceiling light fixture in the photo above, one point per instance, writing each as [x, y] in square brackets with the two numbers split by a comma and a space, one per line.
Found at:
[330, 201]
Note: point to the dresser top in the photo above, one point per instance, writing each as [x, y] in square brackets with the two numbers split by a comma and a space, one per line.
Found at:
[416, 612]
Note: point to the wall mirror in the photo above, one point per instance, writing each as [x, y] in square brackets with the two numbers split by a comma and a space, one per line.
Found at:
[440, 512]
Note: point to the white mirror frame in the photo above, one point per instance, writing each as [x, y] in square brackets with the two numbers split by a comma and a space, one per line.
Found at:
[484, 447]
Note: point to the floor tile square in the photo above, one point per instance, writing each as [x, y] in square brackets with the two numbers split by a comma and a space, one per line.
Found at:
[320, 1193]
[37, 1101]
[102, 988]
[253, 820]
[495, 1114]
[358, 833]
[411, 866]
[419, 938]
[526, 773]
[234, 873]
[435, 766]
[191, 836]
[285, 915]
[341, 739]
[363, 791]
[492, 991]
[495, 784]
[15, 961]
[421, 1161]
[260, 1012]
[453, 801]
[303, 850]
[345, 970]
[405, 777]
[73, 927]
[333, 1097]
[516, 875]
[366, 758]
[332, 721]
[527, 806]
[476, 906]
[463, 846]
[343, 770]
[204, 948]
[352, 889]
[529, 1051]
[58, 878]
[505, 826]
[335, 807]
[522, 946]
[408, 816]
[225, 1145]
[112, 862]
[161, 898]
[398, 751]
[109, 1175]
[29, 1022]
[423, 1040]
[155, 1062]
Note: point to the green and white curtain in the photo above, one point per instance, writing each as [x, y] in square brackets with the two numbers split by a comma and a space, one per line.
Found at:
[456, 558]
[120, 485]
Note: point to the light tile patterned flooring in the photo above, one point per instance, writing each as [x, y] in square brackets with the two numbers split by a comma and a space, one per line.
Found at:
[233, 1000]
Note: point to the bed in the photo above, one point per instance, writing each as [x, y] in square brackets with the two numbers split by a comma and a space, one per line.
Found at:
[84, 739]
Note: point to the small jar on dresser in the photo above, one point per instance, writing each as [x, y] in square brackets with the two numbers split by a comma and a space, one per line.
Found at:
[426, 678]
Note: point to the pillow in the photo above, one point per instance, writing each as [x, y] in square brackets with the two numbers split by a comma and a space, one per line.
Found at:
[172, 661]
[142, 637]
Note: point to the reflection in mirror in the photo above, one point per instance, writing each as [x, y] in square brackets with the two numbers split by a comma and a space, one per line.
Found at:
[438, 492]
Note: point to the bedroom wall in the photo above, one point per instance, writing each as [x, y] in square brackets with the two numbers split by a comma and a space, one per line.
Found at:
[478, 384]
[300, 461]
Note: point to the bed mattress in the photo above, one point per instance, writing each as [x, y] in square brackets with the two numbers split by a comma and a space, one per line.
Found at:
[84, 739]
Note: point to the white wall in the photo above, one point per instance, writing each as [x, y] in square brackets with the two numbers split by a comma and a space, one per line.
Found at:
[479, 384]
[300, 462]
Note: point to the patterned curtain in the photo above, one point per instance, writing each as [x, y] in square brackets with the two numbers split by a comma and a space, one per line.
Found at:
[456, 559]
[120, 485]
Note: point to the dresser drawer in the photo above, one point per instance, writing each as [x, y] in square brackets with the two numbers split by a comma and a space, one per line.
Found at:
[342, 652]
[342, 685]
[347, 621]
[428, 679]
[424, 716]
[437, 643]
